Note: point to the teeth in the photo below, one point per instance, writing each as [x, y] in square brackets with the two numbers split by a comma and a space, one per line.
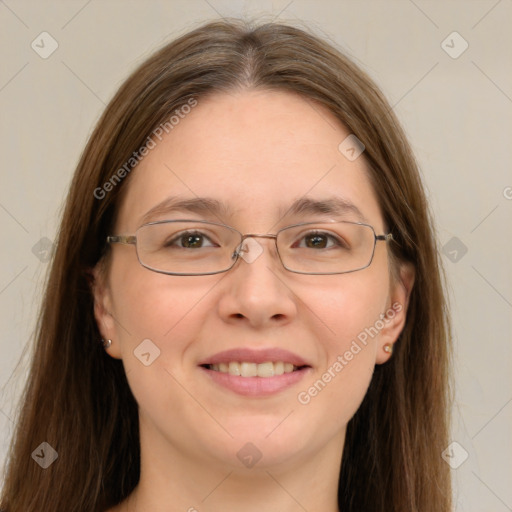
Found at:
[279, 368]
[264, 369]
[245, 369]
[234, 369]
[249, 370]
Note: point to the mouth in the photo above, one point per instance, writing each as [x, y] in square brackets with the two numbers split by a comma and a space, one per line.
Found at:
[255, 373]
[248, 369]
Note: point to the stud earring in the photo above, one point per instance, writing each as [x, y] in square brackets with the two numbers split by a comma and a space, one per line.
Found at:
[106, 343]
[388, 347]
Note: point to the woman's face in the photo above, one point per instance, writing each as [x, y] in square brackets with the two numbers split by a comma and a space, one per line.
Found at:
[255, 152]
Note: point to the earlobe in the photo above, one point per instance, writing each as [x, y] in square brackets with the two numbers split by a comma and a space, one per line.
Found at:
[396, 314]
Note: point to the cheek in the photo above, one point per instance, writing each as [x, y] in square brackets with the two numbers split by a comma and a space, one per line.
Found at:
[351, 309]
[164, 309]
[169, 312]
[349, 306]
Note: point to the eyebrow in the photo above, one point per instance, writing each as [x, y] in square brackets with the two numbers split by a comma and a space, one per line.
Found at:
[336, 206]
[209, 207]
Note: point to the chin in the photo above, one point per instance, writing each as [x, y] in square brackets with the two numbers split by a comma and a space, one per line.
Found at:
[262, 442]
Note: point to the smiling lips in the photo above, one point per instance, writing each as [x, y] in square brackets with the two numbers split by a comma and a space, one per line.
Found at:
[255, 372]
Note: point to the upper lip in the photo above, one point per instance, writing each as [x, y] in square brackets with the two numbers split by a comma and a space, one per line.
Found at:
[254, 356]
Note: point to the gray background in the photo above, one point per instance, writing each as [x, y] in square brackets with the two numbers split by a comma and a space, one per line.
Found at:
[456, 112]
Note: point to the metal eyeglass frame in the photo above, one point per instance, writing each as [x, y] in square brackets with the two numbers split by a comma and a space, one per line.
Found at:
[132, 240]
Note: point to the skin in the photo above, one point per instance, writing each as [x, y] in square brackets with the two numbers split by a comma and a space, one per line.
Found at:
[255, 150]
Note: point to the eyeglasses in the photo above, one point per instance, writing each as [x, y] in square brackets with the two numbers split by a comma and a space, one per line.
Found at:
[191, 247]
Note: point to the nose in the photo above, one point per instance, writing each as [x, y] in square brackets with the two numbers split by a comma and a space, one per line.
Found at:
[256, 291]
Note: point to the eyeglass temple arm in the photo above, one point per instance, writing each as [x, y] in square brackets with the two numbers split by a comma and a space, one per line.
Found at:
[387, 237]
[122, 239]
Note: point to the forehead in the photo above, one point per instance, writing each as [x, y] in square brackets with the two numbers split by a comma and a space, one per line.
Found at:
[255, 152]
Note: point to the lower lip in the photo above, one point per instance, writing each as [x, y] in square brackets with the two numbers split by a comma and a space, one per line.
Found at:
[256, 386]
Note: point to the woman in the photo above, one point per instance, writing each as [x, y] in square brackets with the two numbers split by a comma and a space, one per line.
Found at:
[277, 336]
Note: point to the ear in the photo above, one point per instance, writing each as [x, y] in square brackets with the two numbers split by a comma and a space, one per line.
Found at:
[103, 307]
[396, 311]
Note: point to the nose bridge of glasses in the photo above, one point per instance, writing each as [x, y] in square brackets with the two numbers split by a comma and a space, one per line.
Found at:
[256, 235]
[245, 247]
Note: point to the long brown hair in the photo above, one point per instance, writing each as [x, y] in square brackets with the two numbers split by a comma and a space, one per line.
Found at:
[77, 397]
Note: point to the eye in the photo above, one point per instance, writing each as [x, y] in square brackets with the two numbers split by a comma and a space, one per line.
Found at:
[320, 240]
[189, 240]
